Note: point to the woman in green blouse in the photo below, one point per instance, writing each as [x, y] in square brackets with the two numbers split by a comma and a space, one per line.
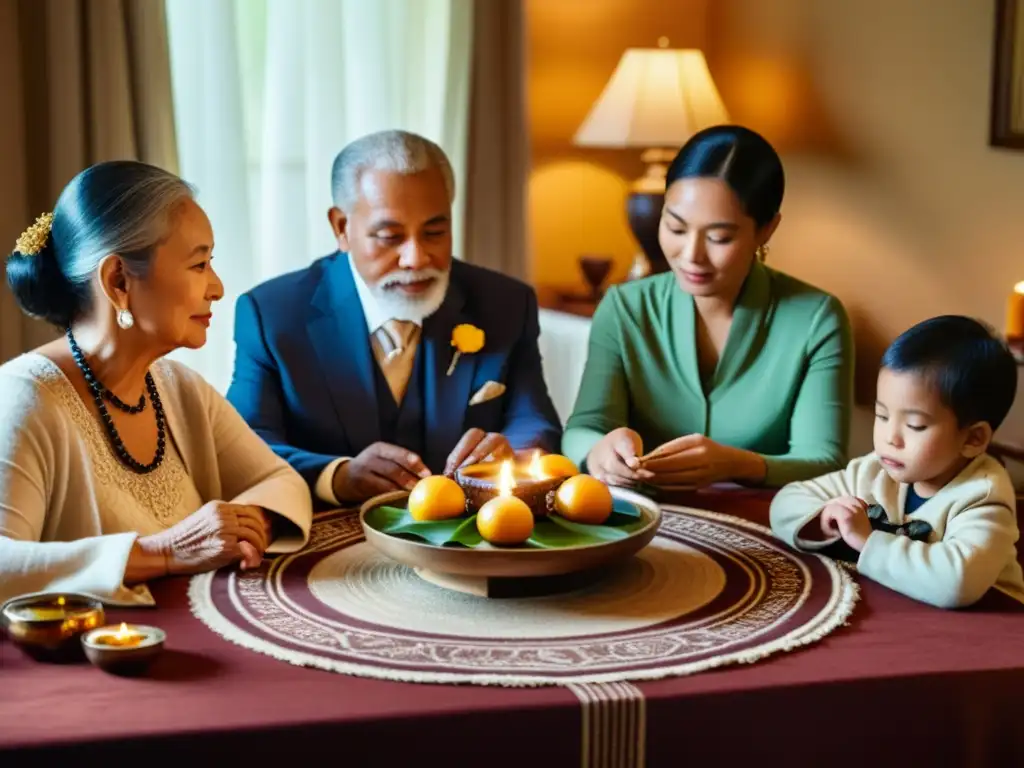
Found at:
[722, 369]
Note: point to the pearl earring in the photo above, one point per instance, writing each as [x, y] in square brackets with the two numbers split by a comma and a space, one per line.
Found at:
[125, 318]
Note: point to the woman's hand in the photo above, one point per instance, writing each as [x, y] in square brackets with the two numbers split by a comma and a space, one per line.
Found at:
[216, 535]
[694, 461]
[615, 458]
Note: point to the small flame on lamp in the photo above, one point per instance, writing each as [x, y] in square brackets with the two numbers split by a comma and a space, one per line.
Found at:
[123, 631]
[506, 479]
[535, 471]
[1019, 287]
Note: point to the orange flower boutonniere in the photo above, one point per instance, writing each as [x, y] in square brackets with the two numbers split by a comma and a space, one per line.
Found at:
[466, 339]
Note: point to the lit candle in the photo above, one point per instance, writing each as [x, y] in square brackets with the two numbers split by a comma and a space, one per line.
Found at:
[506, 479]
[47, 611]
[128, 650]
[53, 610]
[50, 626]
[1015, 313]
[505, 519]
[536, 471]
[125, 637]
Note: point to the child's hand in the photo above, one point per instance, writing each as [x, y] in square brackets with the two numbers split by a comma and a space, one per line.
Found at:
[847, 516]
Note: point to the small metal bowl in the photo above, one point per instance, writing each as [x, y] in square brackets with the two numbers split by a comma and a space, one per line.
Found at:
[480, 484]
[48, 626]
[126, 660]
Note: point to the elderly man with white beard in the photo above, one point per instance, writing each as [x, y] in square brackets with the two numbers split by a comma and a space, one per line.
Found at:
[388, 361]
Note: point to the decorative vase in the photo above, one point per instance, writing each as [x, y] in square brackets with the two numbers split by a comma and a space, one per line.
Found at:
[595, 271]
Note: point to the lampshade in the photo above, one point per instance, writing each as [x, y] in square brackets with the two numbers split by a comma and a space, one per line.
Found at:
[656, 98]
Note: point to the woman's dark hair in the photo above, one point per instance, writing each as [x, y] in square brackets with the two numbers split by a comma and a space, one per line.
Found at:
[742, 159]
[972, 370]
[117, 207]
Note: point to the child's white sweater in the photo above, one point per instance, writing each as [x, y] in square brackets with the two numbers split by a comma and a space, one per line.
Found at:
[971, 547]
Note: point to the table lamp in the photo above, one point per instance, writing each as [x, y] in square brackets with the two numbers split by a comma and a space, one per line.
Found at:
[657, 98]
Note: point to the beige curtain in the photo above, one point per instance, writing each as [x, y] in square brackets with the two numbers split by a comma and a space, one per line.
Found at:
[498, 158]
[81, 81]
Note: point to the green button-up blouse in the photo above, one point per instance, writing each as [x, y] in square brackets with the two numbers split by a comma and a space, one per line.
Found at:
[783, 387]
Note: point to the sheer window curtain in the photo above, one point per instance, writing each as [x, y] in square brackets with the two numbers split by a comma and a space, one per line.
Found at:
[266, 92]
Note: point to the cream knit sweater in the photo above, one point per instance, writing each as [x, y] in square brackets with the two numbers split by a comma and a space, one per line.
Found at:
[70, 511]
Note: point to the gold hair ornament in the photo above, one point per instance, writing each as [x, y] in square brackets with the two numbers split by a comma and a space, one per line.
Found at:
[33, 239]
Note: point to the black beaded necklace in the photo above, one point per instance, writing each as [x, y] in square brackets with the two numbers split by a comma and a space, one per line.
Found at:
[100, 394]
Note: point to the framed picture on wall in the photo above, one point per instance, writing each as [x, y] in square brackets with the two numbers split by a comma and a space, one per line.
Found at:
[1007, 122]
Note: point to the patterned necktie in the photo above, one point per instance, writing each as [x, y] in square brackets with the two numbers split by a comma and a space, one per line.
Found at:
[394, 346]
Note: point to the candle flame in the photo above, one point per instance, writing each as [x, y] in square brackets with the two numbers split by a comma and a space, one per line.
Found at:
[123, 631]
[1019, 287]
[506, 479]
[535, 471]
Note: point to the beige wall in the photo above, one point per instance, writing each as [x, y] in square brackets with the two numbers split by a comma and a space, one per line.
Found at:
[895, 201]
[577, 197]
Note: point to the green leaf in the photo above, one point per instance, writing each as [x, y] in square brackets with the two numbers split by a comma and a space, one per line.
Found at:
[466, 534]
[381, 517]
[626, 508]
[592, 533]
[623, 513]
[549, 535]
[396, 521]
[552, 532]
[436, 532]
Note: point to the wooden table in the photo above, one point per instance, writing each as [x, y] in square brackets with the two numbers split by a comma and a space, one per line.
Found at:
[903, 684]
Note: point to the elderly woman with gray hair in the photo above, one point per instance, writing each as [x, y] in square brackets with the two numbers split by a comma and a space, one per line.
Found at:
[117, 466]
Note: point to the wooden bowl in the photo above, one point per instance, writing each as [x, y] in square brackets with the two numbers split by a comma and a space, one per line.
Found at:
[47, 626]
[512, 562]
[480, 484]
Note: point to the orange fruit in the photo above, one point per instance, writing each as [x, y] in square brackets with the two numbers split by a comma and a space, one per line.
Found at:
[505, 520]
[553, 465]
[436, 498]
[584, 499]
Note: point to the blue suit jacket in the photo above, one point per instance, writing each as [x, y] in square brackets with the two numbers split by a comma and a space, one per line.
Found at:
[304, 369]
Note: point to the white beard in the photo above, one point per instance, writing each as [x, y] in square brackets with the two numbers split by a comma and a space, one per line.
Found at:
[395, 304]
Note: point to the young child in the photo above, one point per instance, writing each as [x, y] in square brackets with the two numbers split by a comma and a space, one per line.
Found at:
[929, 513]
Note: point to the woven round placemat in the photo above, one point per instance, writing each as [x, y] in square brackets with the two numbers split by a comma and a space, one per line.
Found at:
[710, 590]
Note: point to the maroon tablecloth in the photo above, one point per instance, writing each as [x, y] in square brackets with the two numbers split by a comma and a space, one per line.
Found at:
[903, 684]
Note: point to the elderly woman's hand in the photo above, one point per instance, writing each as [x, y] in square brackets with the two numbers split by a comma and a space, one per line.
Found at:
[614, 459]
[217, 534]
